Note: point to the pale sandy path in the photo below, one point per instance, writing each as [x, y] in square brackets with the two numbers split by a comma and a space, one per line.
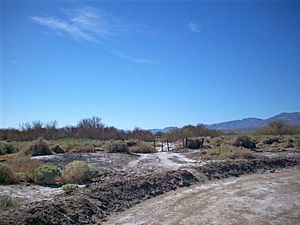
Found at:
[258, 199]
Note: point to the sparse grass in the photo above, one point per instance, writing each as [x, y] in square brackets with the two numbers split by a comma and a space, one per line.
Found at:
[7, 176]
[46, 174]
[143, 147]
[117, 147]
[81, 149]
[8, 157]
[7, 202]
[229, 152]
[76, 172]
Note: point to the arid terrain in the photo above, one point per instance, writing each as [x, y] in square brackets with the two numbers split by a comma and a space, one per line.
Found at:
[213, 185]
[268, 198]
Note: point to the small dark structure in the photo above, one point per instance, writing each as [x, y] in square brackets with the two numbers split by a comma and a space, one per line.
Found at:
[194, 143]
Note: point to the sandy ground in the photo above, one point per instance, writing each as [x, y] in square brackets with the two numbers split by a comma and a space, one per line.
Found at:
[31, 193]
[260, 199]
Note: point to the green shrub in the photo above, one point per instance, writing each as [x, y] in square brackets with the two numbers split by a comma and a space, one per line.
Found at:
[7, 176]
[46, 174]
[117, 147]
[7, 202]
[7, 149]
[76, 172]
[69, 187]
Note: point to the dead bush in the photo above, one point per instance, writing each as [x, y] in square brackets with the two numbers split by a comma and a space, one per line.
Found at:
[244, 141]
[117, 147]
[225, 151]
[57, 149]
[37, 148]
[7, 176]
[143, 147]
[23, 166]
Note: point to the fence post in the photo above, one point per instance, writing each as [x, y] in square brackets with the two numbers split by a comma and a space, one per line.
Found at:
[168, 145]
[202, 142]
[186, 142]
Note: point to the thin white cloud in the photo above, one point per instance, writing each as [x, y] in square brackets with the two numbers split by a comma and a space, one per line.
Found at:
[135, 59]
[64, 27]
[95, 26]
[194, 27]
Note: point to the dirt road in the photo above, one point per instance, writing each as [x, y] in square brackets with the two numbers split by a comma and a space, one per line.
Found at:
[271, 198]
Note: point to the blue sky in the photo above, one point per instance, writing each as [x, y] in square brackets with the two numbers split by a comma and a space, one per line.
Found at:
[148, 64]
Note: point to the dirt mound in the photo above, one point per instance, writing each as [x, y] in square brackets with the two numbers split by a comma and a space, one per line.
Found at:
[113, 193]
[87, 206]
[37, 148]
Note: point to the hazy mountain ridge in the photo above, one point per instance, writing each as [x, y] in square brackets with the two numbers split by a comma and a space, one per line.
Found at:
[247, 124]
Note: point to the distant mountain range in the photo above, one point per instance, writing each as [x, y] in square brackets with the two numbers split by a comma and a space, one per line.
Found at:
[165, 130]
[247, 124]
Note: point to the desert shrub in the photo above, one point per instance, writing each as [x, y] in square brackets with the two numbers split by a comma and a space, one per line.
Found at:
[7, 176]
[225, 151]
[57, 149]
[37, 148]
[117, 147]
[46, 174]
[69, 187]
[7, 202]
[7, 149]
[278, 127]
[217, 141]
[76, 172]
[244, 141]
[143, 147]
